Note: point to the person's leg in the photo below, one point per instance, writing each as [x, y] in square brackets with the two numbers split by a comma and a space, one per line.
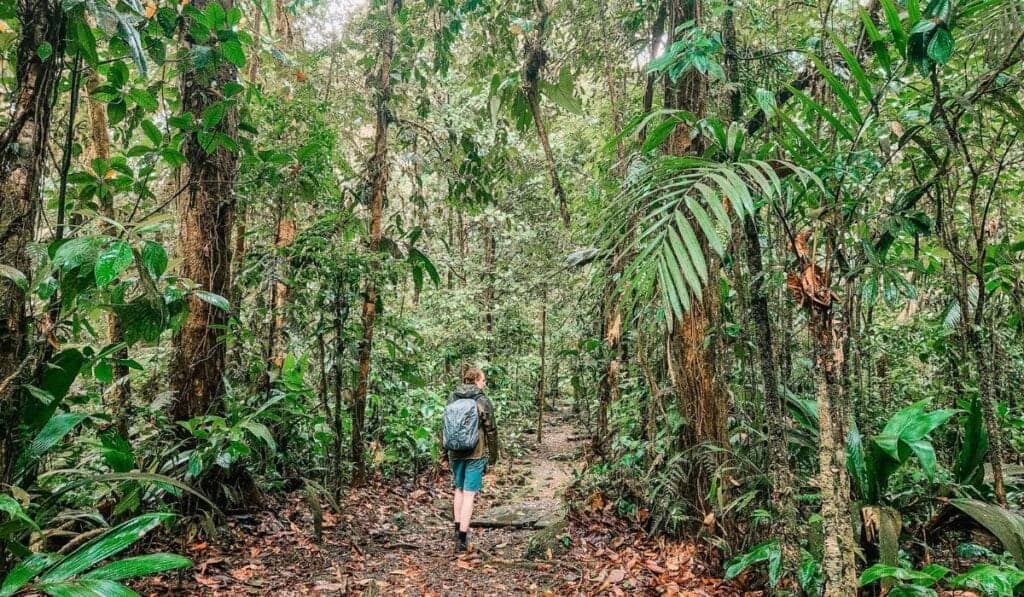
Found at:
[466, 512]
[457, 512]
[473, 483]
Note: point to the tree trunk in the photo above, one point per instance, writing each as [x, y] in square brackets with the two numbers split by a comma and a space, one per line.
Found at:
[23, 145]
[285, 236]
[536, 58]
[784, 525]
[99, 137]
[657, 32]
[489, 250]
[690, 357]
[206, 214]
[838, 565]
[282, 24]
[341, 307]
[378, 170]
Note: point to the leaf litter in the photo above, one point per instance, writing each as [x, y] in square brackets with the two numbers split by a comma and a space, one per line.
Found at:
[396, 538]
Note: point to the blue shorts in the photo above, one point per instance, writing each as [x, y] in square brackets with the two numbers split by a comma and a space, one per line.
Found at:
[468, 475]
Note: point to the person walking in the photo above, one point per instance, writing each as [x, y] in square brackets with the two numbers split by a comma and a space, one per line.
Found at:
[469, 433]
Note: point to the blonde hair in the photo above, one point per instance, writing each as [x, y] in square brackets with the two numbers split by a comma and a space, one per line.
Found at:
[472, 374]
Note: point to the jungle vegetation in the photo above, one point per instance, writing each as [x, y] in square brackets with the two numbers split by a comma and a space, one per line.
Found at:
[770, 253]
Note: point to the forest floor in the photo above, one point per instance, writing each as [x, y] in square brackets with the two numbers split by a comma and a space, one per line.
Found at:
[397, 538]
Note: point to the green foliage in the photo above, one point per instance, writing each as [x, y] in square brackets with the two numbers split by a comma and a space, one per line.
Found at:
[77, 573]
[768, 551]
[906, 434]
[1007, 526]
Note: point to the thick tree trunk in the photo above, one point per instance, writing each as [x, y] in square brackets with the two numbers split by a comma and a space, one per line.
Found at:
[23, 145]
[206, 215]
[536, 58]
[378, 171]
[691, 358]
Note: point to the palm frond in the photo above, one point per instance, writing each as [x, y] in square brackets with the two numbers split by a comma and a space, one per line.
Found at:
[673, 217]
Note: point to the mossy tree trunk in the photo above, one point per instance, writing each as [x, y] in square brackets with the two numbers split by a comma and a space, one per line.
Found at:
[23, 149]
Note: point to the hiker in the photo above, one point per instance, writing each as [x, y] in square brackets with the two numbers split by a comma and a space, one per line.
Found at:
[468, 433]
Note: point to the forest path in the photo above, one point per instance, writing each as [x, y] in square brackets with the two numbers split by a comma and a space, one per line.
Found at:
[523, 496]
[394, 537]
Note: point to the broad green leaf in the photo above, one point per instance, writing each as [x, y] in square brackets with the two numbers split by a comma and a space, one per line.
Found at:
[139, 566]
[940, 48]
[86, 41]
[969, 467]
[880, 571]
[25, 571]
[154, 257]
[991, 580]
[55, 430]
[87, 588]
[106, 545]
[111, 262]
[232, 50]
[213, 115]
[1007, 526]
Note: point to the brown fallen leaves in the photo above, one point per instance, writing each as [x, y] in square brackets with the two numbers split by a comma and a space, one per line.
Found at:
[617, 558]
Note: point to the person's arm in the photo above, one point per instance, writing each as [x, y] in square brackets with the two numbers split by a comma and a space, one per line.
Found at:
[490, 430]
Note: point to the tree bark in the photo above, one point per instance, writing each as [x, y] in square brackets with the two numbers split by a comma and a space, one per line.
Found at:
[206, 214]
[378, 170]
[690, 357]
[838, 565]
[784, 525]
[23, 145]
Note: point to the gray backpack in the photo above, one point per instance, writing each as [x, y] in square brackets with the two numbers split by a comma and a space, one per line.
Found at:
[461, 425]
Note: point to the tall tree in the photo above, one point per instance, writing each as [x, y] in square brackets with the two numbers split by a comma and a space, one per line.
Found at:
[206, 210]
[691, 358]
[378, 171]
[23, 150]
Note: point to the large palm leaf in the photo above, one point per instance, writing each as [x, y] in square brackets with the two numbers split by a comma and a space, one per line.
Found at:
[674, 214]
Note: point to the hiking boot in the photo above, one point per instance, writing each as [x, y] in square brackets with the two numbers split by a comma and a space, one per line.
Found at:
[462, 542]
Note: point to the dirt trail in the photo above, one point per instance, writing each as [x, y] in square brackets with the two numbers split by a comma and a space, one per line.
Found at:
[525, 493]
[393, 538]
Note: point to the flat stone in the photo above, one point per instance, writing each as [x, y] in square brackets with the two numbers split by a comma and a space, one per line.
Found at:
[523, 516]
